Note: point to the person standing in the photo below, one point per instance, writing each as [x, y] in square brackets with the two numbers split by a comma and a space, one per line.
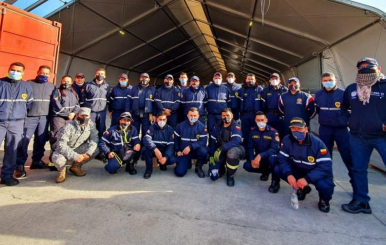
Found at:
[79, 85]
[234, 89]
[194, 96]
[118, 98]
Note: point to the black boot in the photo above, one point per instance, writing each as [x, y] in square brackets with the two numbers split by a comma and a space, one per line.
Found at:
[274, 187]
[163, 167]
[130, 168]
[148, 173]
[303, 192]
[230, 180]
[20, 172]
[200, 173]
[355, 207]
[38, 165]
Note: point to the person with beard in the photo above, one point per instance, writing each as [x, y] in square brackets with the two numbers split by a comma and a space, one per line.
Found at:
[79, 85]
[168, 100]
[226, 148]
[270, 101]
[194, 96]
[233, 88]
[367, 123]
[182, 86]
[120, 144]
[95, 97]
[36, 123]
[296, 103]
[16, 96]
[141, 104]
[118, 97]
[77, 142]
[303, 160]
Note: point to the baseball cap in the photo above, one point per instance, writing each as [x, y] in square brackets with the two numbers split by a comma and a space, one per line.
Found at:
[126, 115]
[297, 122]
[144, 75]
[230, 73]
[123, 75]
[368, 60]
[293, 79]
[195, 78]
[217, 74]
[274, 75]
[84, 111]
[80, 75]
[169, 76]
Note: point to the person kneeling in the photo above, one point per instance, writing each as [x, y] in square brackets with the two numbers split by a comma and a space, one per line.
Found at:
[77, 141]
[159, 142]
[120, 144]
[225, 148]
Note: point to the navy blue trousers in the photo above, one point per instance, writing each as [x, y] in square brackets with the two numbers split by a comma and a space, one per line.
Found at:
[149, 154]
[114, 117]
[266, 167]
[99, 118]
[183, 162]
[247, 122]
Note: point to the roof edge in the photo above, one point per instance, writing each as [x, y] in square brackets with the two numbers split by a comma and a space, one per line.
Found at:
[375, 10]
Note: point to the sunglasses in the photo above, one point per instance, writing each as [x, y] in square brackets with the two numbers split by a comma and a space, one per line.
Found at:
[367, 66]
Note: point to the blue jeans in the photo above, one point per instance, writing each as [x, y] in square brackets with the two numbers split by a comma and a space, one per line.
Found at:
[361, 149]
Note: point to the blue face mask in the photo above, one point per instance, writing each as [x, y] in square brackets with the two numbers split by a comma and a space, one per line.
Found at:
[42, 78]
[123, 83]
[183, 81]
[328, 85]
[192, 120]
[299, 135]
[15, 75]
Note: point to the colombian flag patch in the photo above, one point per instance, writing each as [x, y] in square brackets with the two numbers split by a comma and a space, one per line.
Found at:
[323, 151]
[238, 127]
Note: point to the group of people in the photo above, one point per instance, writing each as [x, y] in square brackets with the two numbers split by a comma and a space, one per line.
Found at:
[269, 127]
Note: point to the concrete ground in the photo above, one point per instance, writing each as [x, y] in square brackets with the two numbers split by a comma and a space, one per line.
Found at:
[121, 209]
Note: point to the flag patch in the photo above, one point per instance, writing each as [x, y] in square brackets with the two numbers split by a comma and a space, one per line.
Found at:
[323, 151]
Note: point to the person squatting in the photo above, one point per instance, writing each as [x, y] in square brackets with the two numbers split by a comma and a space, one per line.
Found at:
[268, 127]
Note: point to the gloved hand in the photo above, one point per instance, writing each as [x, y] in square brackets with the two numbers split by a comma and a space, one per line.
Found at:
[217, 154]
[211, 161]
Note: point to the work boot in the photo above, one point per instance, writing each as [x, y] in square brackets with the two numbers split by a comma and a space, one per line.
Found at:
[76, 169]
[303, 192]
[20, 172]
[323, 206]
[9, 182]
[355, 207]
[163, 167]
[230, 180]
[130, 168]
[200, 173]
[274, 187]
[264, 177]
[148, 173]
[38, 165]
[61, 175]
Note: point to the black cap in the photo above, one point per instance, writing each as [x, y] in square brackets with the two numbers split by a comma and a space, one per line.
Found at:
[297, 122]
[125, 115]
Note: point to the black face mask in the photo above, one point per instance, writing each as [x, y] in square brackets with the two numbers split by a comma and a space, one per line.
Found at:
[99, 77]
[293, 87]
[82, 120]
[168, 84]
[367, 71]
[250, 83]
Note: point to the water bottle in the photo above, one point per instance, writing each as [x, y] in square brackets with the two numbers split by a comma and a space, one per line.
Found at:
[294, 200]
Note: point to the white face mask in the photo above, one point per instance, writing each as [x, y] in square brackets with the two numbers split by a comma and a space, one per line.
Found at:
[217, 81]
[261, 124]
[161, 124]
[275, 82]
[192, 120]
[231, 80]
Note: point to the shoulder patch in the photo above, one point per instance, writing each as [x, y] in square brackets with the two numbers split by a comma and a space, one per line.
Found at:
[206, 131]
[323, 151]
[238, 127]
[106, 133]
[277, 138]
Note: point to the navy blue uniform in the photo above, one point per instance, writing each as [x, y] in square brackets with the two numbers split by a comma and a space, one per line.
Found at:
[266, 144]
[309, 160]
[195, 136]
[366, 133]
[168, 98]
[250, 103]
[194, 98]
[36, 122]
[140, 104]
[117, 102]
[300, 104]
[163, 140]
[270, 102]
[15, 98]
[113, 140]
[229, 140]
[79, 90]
[218, 99]
[180, 112]
[96, 97]
[234, 103]
[333, 123]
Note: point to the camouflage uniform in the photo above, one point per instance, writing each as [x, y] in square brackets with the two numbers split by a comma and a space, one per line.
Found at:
[74, 141]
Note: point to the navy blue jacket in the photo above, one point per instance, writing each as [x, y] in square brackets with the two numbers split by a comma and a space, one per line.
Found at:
[328, 105]
[62, 106]
[15, 98]
[366, 120]
[162, 139]
[42, 92]
[167, 98]
[113, 139]
[311, 158]
[300, 105]
[265, 143]
[270, 98]
[118, 98]
[234, 90]
[96, 96]
[216, 137]
[79, 90]
[194, 136]
[194, 98]
[218, 98]
[146, 95]
[250, 98]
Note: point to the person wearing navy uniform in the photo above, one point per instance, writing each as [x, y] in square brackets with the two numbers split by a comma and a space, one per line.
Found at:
[250, 96]
[118, 97]
[263, 147]
[141, 104]
[226, 148]
[15, 96]
[159, 142]
[233, 88]
[182, 86]
[190, 142]
[195, 96]
[79, 85]
[36, 122]
[218, 99]
[270, 101]
[95, 97]
[367, 101]
[120, 145]
[167, 99]
[303, 160]
[296, 103]
[332, 120]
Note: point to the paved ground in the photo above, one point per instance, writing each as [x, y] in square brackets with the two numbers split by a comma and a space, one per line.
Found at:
[122, 209]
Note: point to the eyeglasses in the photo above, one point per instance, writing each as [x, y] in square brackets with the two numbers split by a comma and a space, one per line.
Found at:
[367, 66]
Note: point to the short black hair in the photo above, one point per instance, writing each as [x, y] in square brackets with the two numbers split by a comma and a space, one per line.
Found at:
[227, 110]
[44, 67]
[160, 114]
[17, 64]
[260, 113]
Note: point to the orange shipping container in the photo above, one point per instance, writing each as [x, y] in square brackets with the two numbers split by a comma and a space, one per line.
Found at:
[29, 39]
